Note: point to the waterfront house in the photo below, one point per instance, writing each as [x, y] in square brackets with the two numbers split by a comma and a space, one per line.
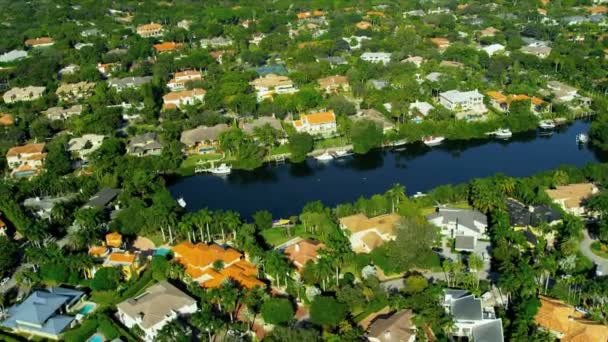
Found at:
[121, 84]
[395, 327]
[26, 160]
[29, 93]
[572, 197]
[267, 86]
[419, 110]
[502, 102]
[203, 139]
[249, 126]
[471, 319]
[156, 307]
[200, 261]
[167, 47]
[39, 42]
[179, 80]
[102, 199]
[522, 216]
[215, 42]
[302, 251]
[60, 113]
[43, 313]
[81, 147]
[177, 99]
[376, 117]
[562, 92]
[74, 91]
[42, 207]
[468, 224]
[334, 84]
[376, 57]
[13, 55]
[150, 30]
[463, 103]
[365, 233]
[144, 145]
[567, 323]
[316, 123]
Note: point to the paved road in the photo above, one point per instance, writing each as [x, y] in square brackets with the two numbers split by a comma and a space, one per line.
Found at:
[602, 264]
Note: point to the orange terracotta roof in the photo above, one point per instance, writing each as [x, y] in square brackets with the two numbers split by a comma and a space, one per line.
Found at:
[440, 42]
[303, 251]
[25, 149]
[306, 15]
[375, 13]
[98, 251]
[176, 95]
[597, 9]
[150, 27]
[319, 118]
[555, 315]
[114, 239]
[363, 25]
[123, 258]
[6, 120]
[297, 123]
[497, 96]
[39, 41]
[202, 255]
[167, 46]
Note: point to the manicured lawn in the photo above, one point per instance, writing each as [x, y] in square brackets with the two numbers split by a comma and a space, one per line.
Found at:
[190, 163]
[282, 149]
[600, 249]
[462, 205]
[331, 142]
[277, 236]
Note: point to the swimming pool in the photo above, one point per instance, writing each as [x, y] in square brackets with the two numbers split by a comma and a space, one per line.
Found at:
[96, 338]
[87, 309]
[162, 252]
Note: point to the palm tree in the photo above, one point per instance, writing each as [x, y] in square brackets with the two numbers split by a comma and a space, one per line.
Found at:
[396, 194]
[205, 217]
[232, 220]
[476, 264]
[206, 321]
[218, 217]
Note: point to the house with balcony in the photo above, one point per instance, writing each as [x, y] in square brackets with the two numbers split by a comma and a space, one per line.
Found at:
[376, 57]
[365, 234]
[27, 160]
[157, 306]
[44, 313]
[200, 261]
[464, 104]
[316, 123]
[179, 80]
[267, 86]
[150, 30]
[178, 99]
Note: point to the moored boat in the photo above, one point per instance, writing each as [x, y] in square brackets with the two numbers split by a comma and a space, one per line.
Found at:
[223, 169]
[324, 157]
[503, 133]
[432, 141]
[546, 124]
[582, 138]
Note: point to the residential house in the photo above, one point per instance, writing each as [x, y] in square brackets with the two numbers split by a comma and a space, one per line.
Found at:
[522, 216]
[488, 32]
[572, 197]
[159, 305]
[60, 113]
[441, 43]
[493, 49]
[334, 84]
[365, 233]
[419, 110]
[218, 55]
[310, 14]
[451, 64]
[177, 99]
[29, 93]
[540, 51]
[144, 145]
[563, 92]
[167, 47]
[43, 313]
[199, 260]
[249, 126]
[395, 327]
[503, 102]
[150, 30]
[376, 57]
[6, 120]
[416, 60]
[114, 240]
[376, 117]
[257, 38]
[81, 147]
[567, 323]
[463, 103]
[267, 86]
[465, 225]
[363, 25]
[316, 123]
[74, 91]
[471, 319]
[102, 199]
[128, 263]
[42, 207]
[106, 69]
[121, 84]
[39, 42]
[26, 160]
[179, 80]
[13, 55]
[215, 42]
[203, 140]
[302, 251]
[69, 70]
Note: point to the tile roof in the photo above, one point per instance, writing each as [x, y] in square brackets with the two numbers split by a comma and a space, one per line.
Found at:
[149, 27]
[201, 255]
[6, 120]
[39, 41]
[557, 316]
[122, 258]
[303, 251]
[573, 195]
[25, 149]
[178, 95]
[167, 46]
[396, 327]
[359, 222]
[319, 118]
[271, 80]
[114, 239]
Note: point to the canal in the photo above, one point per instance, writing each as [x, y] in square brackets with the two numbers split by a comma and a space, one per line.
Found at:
[283, 189]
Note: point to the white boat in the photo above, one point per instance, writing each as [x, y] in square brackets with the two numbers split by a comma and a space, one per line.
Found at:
[546, 124]
[223, 169]
[582, 138]
[341, 153]
[503, 133]
[399, 143]
[181, 202]
[324, 157]
[432, 141]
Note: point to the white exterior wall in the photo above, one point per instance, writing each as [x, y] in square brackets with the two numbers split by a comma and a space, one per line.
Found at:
[450, 230]
[151, 332]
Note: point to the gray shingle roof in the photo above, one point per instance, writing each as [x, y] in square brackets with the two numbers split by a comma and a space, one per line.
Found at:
[467, 308]
[202, 133]
[102, 198]
[489, 332]
[464, 217]
[466, 243]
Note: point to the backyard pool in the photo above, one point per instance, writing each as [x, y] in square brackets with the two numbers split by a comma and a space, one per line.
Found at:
[162, 252]
[96, 338]
[87, 309]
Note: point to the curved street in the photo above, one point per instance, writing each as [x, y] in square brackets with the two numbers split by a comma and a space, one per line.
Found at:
[585, 245]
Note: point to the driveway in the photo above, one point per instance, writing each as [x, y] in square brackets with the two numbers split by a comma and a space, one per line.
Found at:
[585, 245]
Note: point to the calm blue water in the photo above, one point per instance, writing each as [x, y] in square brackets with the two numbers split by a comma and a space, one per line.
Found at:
[284, 189]
[87, 309]
[96, 338]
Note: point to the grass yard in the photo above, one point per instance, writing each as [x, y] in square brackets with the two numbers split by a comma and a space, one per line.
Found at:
[281, 149]
[190, 163]
[600, 249]
[277, 236]
[462, 205]
[331, 142]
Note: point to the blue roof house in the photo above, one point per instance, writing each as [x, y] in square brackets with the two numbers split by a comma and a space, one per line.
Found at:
[43, 313]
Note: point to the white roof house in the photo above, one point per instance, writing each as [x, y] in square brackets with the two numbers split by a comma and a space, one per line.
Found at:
[12, 55]
[463, 103]
[494, 48]
[376, 57]
[23, 94]
[85, 145]
[423, 108]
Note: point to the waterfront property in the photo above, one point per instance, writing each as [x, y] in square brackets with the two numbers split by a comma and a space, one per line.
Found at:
[463, 103]
[572, 197]
[471, 319]
[203, 139]
[465, 225]
[144, 145]
[365, 233]
[159, 305]
[316, 123]
[43, 313]
[567, 323]
[302, 251]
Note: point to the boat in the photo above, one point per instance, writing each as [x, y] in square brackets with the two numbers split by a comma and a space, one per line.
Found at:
[503, 133]
[398, 143]
[341, 153]
[280, 223]
[432, 141]
[223, 169]
[582, 138]
[546, 124]
[181, 202]
[324, 157]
